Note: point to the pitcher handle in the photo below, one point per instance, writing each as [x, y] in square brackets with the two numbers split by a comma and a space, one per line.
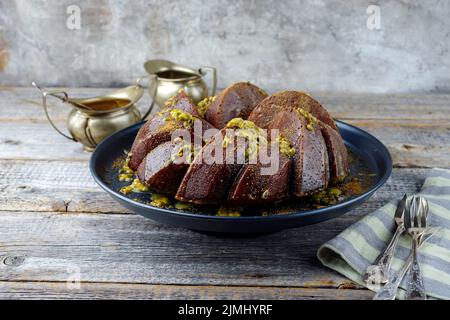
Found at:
[56, 94]
[152, 78]
[214, 75]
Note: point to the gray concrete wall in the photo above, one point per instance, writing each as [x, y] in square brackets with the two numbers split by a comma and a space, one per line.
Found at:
[313, 45]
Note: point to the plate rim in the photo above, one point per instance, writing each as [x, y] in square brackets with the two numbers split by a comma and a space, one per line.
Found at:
[389, 164]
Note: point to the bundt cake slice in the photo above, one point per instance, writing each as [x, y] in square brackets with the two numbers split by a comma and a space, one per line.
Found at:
[268, 180]
[215, 168]
[337, 153]
[310, 161]
[253, 187]
[268, 108]
[210, 176]
[236, 101]
[179, 113]
[163, 168]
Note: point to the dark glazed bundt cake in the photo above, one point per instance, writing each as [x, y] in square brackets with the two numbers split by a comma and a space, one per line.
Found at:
[311, 153]
[236, 101]
[207, 181]
[311, 113]
[179, 112]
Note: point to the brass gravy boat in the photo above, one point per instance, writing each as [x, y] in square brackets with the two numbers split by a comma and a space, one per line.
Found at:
[93, 119]
[166, 78]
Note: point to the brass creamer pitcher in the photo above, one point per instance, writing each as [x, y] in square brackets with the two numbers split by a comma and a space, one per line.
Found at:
[93, 119]
[167, 78]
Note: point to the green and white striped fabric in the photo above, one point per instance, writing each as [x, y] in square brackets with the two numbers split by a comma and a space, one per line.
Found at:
[353, 250]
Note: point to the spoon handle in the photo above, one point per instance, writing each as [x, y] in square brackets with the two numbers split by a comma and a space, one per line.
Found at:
[389, 291]
[415, 288]
[379, 271]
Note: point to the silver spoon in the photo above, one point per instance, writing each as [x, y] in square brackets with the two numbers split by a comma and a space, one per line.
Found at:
[416, 223]
[380, 270]
[389, 291]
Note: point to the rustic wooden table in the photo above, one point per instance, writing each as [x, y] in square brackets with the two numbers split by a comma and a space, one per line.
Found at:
[57, 225]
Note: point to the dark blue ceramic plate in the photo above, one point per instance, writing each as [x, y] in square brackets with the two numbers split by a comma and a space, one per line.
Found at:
[370, 153]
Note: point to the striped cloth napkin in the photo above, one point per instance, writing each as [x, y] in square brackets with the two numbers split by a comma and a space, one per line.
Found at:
[353, 250]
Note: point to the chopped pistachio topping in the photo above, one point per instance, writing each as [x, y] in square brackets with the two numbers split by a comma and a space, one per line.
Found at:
[242, 124]
[312, 121]
[135, 186]
[265, 194]
[125, 172]
[186, 118]
[251, 132]
[171, 102]
[285, 146]
[203, 105]
[186, 151]
[179, 115]
[229, 212]
[328, 196]
[182, 205]
[125, 177]
[226, 141]
[159, 201]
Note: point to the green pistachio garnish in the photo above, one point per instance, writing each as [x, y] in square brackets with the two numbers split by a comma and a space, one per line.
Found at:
[125, 172]
[285, 146]
[182, 205]
[229, 212]
[203, 105]
[135, 186]
[312, 121]
[159, 201]
[249, 131]
[328, 196]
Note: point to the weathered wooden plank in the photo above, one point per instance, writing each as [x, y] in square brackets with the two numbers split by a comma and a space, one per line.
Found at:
[27, 140]
[414, 106]
[61, 290]
[25, 103]
[131, 249]
[47, 174]
[52, 186]
[27, 185]
[411, 143]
